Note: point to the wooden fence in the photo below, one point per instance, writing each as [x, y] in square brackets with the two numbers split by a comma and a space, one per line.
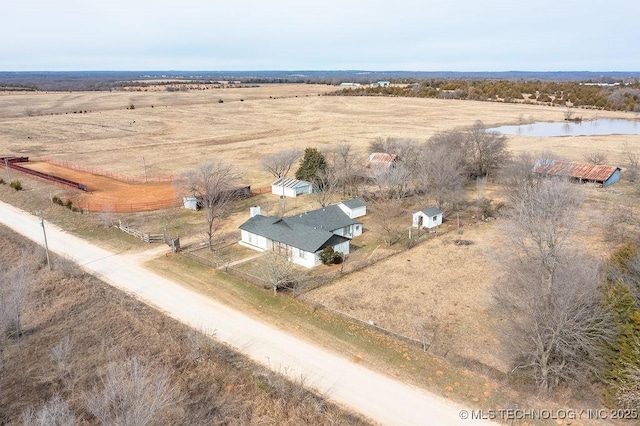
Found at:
[12, 163]
[130, 207]
[258, 191]
[146, 237]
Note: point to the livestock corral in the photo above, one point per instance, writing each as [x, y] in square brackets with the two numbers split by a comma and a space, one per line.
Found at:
[166, 134]
[94, 191]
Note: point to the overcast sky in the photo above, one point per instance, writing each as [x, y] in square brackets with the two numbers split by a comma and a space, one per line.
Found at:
[412, 35]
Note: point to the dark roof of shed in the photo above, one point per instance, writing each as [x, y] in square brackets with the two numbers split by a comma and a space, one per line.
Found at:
[354, 203]
[585, 171]
[432, 211]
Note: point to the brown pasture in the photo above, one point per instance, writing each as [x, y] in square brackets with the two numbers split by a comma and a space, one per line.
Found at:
[176, 131]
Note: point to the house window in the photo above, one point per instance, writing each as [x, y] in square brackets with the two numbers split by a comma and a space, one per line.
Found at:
[435, 218]
[357, 227]
[302, 254]
[250, 237]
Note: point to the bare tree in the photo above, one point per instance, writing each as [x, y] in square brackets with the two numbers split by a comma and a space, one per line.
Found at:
[555, 324]
[540, 220]
[486, 151]
[279, 272]
[325, 186]
[13, 297]
[409, 153]
[632, 162]
[388, 220]
[555, 335]
[134, 393]
[215, 185]
[280, 163]
[393, 181]
[596, 157]
[443, 170]
[56, 412]
[61, 357]
[346, 168]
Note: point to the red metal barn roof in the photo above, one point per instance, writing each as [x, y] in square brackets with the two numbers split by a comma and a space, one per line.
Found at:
[380, 160]
[584, 171]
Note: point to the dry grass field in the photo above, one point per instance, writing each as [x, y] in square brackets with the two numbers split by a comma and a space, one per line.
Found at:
[437, 288]
[176, 131]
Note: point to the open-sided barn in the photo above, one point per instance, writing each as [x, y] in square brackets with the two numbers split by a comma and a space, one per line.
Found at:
[582, 172]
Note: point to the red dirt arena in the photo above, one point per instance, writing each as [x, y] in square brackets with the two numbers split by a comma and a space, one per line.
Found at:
[109, 194]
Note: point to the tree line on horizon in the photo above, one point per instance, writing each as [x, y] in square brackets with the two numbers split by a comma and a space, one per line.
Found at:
[614, 96]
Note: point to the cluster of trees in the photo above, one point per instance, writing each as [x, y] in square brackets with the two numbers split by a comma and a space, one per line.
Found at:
[614, 97]
[436, 170]
[567, 317]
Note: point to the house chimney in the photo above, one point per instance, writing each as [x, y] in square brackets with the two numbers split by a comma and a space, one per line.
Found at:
[254, 211]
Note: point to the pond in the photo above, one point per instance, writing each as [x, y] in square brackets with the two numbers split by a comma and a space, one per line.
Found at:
[599, 127]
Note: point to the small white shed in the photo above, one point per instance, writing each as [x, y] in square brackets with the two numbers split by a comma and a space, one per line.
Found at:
[291, 187]
[427, 218]
[191, 203]
[354, 207]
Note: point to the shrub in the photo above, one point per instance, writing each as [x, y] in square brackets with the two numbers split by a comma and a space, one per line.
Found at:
[68, 204]
[56, 200]
[16, 184]
[2, 182]
[327, 255]
[330, 256]
[220, 101]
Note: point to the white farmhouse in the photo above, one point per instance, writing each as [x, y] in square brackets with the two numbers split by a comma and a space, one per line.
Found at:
[427, 218]
[291, 187]
[301, 237]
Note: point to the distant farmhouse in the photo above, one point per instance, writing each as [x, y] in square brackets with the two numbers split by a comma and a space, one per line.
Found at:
[291, 187]
[304, 236]
[581, 172]
[382, 84]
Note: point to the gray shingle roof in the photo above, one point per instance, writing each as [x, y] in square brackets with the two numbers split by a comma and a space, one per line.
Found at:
[432, 211]
[310, 231]
[328, 218]
[293, 234]
[354, 203]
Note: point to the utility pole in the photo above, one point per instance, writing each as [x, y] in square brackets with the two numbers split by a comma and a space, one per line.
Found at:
[46, 244]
